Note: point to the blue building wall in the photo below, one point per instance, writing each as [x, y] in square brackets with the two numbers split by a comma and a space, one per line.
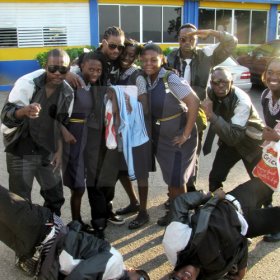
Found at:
[10, 71]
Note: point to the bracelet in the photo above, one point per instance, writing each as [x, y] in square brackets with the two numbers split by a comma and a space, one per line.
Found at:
[185, 137]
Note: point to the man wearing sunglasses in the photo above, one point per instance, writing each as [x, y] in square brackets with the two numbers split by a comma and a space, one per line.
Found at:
[46, 248]
[194, 64]
[36, 107]
[111, 48]
[234, 119]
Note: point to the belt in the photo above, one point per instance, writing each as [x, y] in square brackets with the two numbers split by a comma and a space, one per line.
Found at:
[73, 120]
[158, 121]
[235, 202]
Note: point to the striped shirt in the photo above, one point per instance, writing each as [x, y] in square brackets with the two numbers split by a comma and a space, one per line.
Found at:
[178, 86]
[50, 238]
[140, 80]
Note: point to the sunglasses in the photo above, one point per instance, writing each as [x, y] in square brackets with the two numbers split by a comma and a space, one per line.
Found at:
[61, 69]
[112, 46]
[218, 82]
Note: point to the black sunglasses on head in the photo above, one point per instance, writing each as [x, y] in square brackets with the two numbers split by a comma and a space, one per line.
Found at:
[61, 69]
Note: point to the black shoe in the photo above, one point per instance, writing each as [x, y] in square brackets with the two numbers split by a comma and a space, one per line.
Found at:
[191, 189]
[165, 220]
[87, 228]
[131, 208]
[115, 219]
[272, 237]
[99, 233]
[167, 204]
[28, 266]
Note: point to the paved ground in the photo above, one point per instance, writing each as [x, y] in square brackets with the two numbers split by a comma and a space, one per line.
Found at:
[142, 248]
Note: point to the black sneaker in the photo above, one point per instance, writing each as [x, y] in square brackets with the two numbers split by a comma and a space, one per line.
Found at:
[28, 266]
[115, 219]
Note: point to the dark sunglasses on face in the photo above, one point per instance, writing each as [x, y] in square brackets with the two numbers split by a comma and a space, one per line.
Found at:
[218, 82]
[61, 69]
[112, 46]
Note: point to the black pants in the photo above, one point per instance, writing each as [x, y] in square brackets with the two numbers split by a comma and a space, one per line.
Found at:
[226, 157]
[22, 224]
[252, 195]
[101, 186]
[191, 184]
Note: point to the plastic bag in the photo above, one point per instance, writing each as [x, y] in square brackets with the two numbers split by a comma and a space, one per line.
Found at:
[110, 133]
[268, 168]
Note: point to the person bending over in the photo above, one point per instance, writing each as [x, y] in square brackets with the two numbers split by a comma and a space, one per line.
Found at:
[207, 238]
[46, 248]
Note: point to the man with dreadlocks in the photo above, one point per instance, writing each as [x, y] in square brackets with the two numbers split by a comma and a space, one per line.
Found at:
[111, 47]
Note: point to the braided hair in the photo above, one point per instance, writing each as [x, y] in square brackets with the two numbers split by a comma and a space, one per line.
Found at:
[113, 31]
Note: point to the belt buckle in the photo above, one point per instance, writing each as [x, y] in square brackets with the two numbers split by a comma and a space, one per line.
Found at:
[157, 122]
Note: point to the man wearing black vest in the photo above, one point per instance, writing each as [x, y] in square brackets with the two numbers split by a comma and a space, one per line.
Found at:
[234, 119]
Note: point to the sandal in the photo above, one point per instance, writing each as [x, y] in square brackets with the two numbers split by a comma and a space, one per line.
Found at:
[131, 208]
[141, 219]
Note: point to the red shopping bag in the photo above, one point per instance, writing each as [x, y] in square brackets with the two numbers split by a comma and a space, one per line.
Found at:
[268, 168]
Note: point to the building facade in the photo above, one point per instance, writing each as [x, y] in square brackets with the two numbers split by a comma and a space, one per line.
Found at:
[32, 26]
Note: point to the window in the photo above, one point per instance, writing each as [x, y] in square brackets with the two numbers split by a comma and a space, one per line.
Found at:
[108, 16]
[224, 20]
[206, 20]
[55, 36]
[171, 23]
[130, 21]
[8, 37]
[258, 27]
[248, 26]
[41, 36]
[152, 24]
[159, 23]
[242, 30]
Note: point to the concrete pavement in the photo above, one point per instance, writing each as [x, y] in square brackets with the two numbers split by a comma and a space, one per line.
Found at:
[142, 248]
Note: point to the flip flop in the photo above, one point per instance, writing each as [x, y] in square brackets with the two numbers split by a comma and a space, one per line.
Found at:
[140, 220]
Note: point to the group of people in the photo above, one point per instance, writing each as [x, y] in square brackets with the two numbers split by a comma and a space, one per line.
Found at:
[83, 120]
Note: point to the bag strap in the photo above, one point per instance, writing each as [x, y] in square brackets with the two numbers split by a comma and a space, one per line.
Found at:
[166, 85]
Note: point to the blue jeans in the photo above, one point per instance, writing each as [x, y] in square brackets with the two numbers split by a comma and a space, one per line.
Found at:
[23, 170]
